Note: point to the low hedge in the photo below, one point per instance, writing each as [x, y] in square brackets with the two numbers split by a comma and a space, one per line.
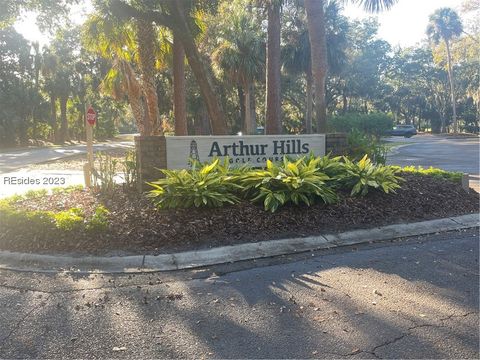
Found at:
[73, 219]
[434, 172]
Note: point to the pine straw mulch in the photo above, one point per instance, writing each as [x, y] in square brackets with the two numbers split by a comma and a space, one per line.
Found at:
[137, 227]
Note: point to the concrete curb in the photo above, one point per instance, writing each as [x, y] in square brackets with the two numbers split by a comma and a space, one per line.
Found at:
[226, 254]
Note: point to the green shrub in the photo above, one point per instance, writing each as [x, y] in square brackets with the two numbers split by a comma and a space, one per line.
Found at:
[209, 185]
[362, 175]
[11, 218]
[32, 194]
[330, 166]
[434, 172]
[71, 219]
[104, 177]
[99, 221]
[67, 189]
[376, 124]
[296, 182]
[130, 169]
[48, 221]
[361, 144]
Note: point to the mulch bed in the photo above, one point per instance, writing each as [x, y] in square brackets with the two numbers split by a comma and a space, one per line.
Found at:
[137, 227]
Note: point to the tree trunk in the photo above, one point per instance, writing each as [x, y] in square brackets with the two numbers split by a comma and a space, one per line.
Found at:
[308, 115]
[273, 121]
[203, 74]
[135, 99]
[452, 87]
[138, 112]
[345, 103]
[63, 119]
[204, 123]
[248, 110]
[146, 54]
[318, 46]
[253, 106]
[179, 89]
[241, 101]
[53, 114]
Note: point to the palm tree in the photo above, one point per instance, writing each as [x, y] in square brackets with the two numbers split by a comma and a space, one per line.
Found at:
[318, 43]
[49, 70]
[185, 29]
[116, 42]
[180, 18]
[297, 60]
[240, 56]
[179, 88]
[444, 24]
[147, 45]
[273, 120]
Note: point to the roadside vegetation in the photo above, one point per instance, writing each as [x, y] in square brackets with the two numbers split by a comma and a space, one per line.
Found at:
[301, 181]
[213, 205]
[142, 75]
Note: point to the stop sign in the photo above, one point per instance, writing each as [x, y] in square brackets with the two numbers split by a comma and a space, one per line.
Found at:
[91, 116]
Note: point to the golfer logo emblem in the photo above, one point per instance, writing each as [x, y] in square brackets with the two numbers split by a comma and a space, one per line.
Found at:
[194, 151]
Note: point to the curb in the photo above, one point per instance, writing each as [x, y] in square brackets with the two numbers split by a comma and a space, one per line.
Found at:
[226, 254]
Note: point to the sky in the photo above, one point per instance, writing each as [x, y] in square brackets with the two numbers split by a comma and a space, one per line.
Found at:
[403, 25]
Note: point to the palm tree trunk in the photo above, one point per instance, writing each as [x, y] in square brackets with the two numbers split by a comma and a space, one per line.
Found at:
[345, 103]
[179, 89]
[146, 54]
[318, 46]
[248, 111]
[63, 119]
[241, 101]
[53, 114]
[138, 112]
[273, 122]
[253, 105]
[452, 87]
[202, 73]
[308, 115]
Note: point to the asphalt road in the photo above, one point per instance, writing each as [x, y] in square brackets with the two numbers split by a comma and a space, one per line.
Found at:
[16, 159]
[416, 298]
[453, 154]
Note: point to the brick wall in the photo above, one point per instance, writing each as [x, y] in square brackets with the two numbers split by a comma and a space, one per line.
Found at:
[337, 144]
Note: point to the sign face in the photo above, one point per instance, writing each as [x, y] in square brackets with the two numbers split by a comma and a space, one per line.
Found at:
[253, 150]
[91, 116]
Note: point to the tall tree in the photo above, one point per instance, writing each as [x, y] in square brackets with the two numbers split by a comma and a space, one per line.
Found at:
[297, 60]
[115, 41]
[176, 15]
[445, 25]
[49, 70]
[318, 49]
[147, 44]
[179, 88]
[273, 120]
[318, 43]
[240, 55]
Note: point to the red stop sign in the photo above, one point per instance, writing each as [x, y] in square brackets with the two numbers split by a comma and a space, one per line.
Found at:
[91, 116]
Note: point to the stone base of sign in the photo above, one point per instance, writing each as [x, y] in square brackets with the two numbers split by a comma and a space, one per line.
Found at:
[152, 155]
[336, 144]
[151, 152]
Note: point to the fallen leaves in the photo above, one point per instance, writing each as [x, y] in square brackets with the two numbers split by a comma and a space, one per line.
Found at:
[137, 226]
